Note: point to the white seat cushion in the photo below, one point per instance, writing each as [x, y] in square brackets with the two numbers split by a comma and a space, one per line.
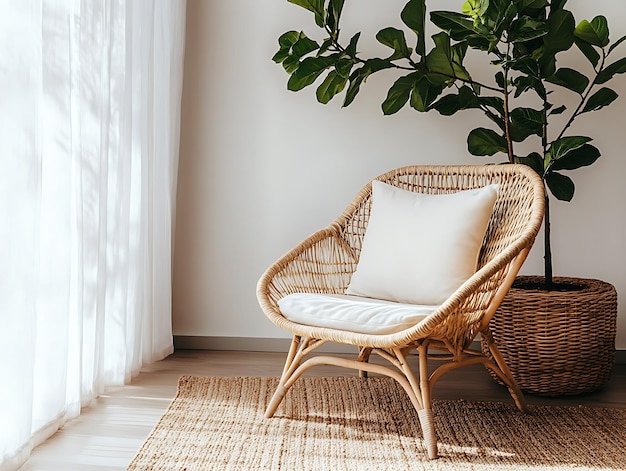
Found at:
[352, 313]
[419, 248]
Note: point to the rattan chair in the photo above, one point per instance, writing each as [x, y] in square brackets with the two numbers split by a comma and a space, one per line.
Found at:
[325, 262]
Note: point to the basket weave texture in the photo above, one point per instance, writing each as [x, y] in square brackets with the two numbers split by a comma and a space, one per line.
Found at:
[557, 342]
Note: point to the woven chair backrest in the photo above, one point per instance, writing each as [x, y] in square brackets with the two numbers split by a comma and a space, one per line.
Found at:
[512, 216]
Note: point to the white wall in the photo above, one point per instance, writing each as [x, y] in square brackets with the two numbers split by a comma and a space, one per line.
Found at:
[261, 167]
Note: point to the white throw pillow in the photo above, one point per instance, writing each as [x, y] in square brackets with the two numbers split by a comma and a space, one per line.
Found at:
[420, 248]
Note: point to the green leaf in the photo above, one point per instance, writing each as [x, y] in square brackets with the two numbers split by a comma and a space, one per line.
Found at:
[560, 110]
[483, 141]
[616, 43]
[534, 4]
[315, 6]
[500, 80]
[524, 83]
[394, 38]
[528, 120]
[458, 26]
[570, 79]
[533, 160]
[325, 46]
[495, 14]
[589, 52]
[288, 39]
[561, 186]
[496, 10]
[600, 99]
[561, 26]
[560, 37]
[351, 49]
[414, 16]
[343, 67]
[356, 79]
[527, 117]
[506, 21]
[445, 60]
[581, 157]
[482, 43]
[281, 55]
[548, 66]
[595, 32]
[475, 8]
[333, 84]
[303, 46]
[452, 103]
[424, 93]
[309, 70]
[293, 46]
[565, 145]
[448, 105]
[398, 94]
[526, 65]
[291, 64]
[519, 133]
[459, 50]
[617, 67]
[334, 13]
[360, 75]
[493, 102]
[439, 59]
[527, 29]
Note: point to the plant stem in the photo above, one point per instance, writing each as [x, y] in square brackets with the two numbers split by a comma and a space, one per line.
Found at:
[547, 255]
[547, 269]
[507, 129]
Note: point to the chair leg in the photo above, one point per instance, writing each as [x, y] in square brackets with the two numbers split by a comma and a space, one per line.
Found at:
[428, 429]
[507, 376]
[291, 363]
[424, 406]
[426, 414]
[364, 356]
[277, 398]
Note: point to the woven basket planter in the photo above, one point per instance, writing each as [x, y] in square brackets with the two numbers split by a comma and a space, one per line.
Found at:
[557, 342]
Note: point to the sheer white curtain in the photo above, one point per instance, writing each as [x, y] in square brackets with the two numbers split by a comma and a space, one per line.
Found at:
[89, 130]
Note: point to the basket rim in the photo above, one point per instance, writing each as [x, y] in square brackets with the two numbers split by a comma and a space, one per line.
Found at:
[588, 285]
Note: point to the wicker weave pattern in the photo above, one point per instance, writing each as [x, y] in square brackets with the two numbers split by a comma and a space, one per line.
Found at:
[558, 343]
[325, 261]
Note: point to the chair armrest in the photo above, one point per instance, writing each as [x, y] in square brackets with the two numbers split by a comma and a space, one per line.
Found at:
[470, 309]
[322, 263]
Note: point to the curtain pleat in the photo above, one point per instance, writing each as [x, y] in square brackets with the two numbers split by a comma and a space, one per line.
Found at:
[90, 94]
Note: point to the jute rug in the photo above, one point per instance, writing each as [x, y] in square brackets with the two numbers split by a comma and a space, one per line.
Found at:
[348, 423]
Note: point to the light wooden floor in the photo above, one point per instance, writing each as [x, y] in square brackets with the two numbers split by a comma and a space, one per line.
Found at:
[108, 434]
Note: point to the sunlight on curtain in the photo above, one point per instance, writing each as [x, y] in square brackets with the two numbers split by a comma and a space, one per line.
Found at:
[89, 130]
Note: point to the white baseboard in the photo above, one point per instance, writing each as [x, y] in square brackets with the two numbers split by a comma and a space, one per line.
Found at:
[253, 344]
[247, 344]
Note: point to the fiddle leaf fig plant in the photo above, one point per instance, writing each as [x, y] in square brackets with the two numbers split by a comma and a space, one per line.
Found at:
[519, 39]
